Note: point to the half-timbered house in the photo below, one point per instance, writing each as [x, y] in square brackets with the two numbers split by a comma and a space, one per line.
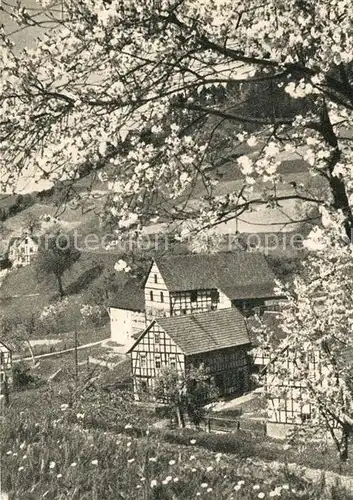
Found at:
[288, 401]
[185, 284]
[23, 250]
[5, 364]
[217, 339]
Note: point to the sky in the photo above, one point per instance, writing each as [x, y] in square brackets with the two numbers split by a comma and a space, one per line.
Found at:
[24, 38]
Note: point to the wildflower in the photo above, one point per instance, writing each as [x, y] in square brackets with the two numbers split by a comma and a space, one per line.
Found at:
[9, 452]
[147, 432]
[237, 487]
[241, 482]
[152, 459]
[209, 469]
[51, 465]
[20, 468]
[285, 486]
[192, 441]
[176, 479]
[153, 483]
[193, 470]
[167, 480]
[171, 462]
[256, 487]
[131, 460]
[24, 457]
[80, 415]
[59, 476]
[209, 490]
[64, 407]
[22, 445]
[94, 462]
[198, 494]
[192, 457]
[128, 426]
[128, 444]
[261, 495]
[204, 485]
[73, 464]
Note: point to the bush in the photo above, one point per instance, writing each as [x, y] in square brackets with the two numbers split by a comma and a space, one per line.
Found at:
[22, 377]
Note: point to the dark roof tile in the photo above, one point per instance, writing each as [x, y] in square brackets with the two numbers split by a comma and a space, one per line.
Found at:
[242, 274]
[131, 296]
[207, 331]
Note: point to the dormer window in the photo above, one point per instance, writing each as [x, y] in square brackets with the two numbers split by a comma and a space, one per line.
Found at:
[156, 278]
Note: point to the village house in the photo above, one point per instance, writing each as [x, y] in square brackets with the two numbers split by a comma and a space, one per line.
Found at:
[185, 284]
[127, 313]
[5, 364]
[217, 339]
[288, 402]
[23, 250]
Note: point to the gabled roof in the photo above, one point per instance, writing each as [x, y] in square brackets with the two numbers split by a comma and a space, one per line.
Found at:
[17, 240]
[9, 347]
[205, 331]
[130, 296]
[240, 274]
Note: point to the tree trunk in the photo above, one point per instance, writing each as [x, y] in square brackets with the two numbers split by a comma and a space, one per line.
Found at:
[344, 443]
[6, 390]
[60, 285]
[181, 422]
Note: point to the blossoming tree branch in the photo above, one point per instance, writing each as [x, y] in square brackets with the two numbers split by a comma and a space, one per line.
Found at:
[161, 95]
[155, 90]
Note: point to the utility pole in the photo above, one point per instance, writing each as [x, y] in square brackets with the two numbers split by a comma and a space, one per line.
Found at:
[76, 360]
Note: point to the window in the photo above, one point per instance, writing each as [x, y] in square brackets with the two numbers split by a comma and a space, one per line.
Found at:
[157, 338]
[172, 362]
[26, 241]
[193, 296]
[143, 386]
[151, 296]
[142, 360]
[158, 363]
[162, 297]
[156, 278]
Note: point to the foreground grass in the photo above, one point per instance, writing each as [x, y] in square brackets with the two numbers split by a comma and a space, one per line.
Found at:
[64, 446]
[51, 459]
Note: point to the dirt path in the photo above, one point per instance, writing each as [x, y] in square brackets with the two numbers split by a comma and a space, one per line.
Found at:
[58, 353]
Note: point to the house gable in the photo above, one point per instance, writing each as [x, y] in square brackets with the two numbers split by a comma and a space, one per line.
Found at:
[153, 351]
[157, 297]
